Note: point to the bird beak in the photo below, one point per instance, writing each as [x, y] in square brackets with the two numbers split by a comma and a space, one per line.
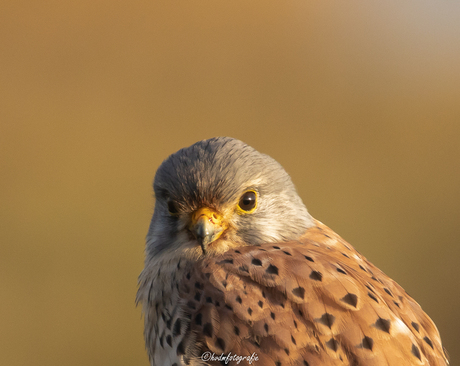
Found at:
[207, 225]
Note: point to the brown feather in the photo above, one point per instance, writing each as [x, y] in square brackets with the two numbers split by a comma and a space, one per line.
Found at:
[314, 301]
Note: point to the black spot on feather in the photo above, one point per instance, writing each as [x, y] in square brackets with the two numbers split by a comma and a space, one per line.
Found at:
[367, 343]
[350, 299]
[383, 325]
[416, 352]
[327, 319]
[299, 292]
[317, 276]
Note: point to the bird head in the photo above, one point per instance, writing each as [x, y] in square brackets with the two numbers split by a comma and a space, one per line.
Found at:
[220, 194]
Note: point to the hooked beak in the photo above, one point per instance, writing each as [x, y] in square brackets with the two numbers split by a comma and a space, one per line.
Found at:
[207, 226]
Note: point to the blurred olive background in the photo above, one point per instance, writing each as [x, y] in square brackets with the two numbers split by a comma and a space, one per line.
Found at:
[359, 101]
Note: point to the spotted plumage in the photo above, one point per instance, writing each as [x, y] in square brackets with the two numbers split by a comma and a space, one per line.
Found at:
[255, 275]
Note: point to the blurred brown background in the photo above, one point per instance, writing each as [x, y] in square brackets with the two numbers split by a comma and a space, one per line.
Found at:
[360, 101]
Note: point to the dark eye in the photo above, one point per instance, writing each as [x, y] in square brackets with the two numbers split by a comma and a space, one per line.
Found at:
[172, 207]
[248, 201]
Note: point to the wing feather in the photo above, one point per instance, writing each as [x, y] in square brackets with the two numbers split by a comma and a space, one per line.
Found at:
[314, 301]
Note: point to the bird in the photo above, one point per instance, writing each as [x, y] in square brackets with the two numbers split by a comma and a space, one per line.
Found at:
[237, 272]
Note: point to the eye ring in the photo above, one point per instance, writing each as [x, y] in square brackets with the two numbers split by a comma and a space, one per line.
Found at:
[248, 202]
[172, 207]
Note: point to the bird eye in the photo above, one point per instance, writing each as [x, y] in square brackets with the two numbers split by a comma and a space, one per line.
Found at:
[172, 207]
[248, 201]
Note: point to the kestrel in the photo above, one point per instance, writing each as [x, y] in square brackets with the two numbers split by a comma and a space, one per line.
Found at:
[237, 272]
